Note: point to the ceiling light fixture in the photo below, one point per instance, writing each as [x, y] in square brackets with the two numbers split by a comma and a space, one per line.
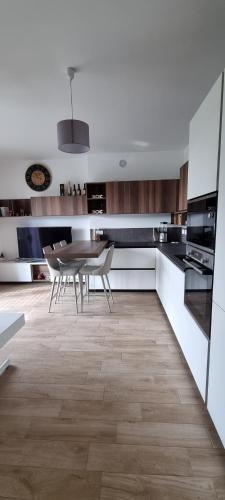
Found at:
[73, 135]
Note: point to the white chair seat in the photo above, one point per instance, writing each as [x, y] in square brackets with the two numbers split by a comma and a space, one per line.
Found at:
[92, 270]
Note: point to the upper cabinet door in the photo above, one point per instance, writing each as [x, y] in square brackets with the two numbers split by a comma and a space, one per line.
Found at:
[122, 197]
[166, 196]
[219, 272]
[204, 138]
[146, 197]
[183, 187]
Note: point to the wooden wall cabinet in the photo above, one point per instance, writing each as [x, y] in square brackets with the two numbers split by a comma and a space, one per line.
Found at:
[166, 196]
[122, 197]
[58, 205]
[182, 205]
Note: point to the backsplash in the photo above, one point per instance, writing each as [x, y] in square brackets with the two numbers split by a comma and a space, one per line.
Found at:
[138, 235]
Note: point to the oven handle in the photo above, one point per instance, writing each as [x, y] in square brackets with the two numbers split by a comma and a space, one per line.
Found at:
[196, 269]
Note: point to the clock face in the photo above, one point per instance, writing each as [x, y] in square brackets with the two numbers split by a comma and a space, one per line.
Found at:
[38, 177]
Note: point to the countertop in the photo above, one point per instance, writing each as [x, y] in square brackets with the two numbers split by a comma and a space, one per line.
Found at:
[171, 250]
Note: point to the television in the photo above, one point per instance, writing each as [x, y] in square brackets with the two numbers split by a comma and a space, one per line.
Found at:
[31, 240]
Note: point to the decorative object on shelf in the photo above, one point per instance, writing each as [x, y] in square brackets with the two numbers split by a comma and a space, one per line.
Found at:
[38, 177]
[78, 190]
[4, 211]
[98, 212]
[73, 135]
[122, 163]
[97, 196]
[62, 189]
[74, 190]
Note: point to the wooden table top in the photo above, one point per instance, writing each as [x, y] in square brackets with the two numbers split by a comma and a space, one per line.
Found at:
[79, 249]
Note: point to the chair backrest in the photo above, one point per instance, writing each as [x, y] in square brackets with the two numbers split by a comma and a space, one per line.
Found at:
[56, 246]
[63, 243]
[108, 260]
[52, 262]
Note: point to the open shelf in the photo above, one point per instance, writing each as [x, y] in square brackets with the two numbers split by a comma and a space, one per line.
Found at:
[96, 206]
[15, 207]
[39, 270]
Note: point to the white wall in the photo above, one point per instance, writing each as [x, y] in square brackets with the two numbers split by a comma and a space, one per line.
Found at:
[140, 166]
[12, 180]
[84, 168]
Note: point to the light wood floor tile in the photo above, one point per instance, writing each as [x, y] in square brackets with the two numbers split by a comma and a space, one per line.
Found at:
[48, 484]
[89, 431]
[133, 487]
[164, 434]
[101, 410]
[52, 391]
[30, 407]
[137, 459]
[43, 453]
[175, 413]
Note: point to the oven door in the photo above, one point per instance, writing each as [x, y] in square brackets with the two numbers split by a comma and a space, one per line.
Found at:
[198, 294]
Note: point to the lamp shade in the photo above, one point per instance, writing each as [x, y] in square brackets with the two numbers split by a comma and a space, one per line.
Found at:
[73, 136]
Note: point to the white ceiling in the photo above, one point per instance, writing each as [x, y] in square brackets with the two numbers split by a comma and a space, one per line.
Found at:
[145, 66]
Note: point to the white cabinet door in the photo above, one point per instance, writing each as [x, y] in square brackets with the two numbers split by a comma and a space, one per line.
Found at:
[219, 272]
[204, 144]
[123, 279]
[170, 288]
[134, 258]
[15, 271]
[216, 388]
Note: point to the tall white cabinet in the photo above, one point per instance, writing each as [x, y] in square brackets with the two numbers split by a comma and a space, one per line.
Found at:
[204, 138]
[216, 385]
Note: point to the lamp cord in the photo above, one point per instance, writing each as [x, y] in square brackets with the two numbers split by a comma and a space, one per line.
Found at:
[71, 97]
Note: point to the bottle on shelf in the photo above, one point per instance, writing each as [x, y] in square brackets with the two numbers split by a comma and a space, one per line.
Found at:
[84, 190]
[69, 189]
[62, 189]
[74, 190]
[78, 190]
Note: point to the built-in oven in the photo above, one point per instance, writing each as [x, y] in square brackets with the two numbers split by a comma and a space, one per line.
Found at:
[199, 286]
[201, 222]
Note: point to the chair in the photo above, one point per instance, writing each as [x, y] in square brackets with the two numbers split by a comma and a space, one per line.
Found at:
[60, 271]
[102, 271]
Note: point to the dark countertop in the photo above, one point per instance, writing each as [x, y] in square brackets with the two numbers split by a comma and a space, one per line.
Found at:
[171, 250]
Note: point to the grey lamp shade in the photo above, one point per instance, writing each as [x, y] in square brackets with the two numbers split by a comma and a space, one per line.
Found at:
[73, 136]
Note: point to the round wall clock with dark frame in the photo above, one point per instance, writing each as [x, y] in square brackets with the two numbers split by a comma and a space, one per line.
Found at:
[38, 177]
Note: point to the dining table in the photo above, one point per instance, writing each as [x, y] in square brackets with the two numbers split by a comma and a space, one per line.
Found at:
[86, 249]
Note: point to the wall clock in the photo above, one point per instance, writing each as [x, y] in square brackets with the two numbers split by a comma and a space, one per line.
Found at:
[38, 177]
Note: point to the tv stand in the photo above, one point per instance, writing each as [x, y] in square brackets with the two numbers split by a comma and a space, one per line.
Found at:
[23, 270]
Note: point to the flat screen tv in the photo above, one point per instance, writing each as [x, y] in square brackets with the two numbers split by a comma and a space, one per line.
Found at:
[31, 240]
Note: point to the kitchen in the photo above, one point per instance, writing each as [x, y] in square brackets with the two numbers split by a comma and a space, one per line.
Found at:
[126, 401]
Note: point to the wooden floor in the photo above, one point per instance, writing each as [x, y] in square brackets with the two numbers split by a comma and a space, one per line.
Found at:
[102, 407]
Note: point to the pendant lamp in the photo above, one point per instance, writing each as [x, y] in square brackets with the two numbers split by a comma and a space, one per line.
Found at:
[73, 135]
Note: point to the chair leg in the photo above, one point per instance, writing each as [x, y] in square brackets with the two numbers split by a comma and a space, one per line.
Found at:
[57, 290]
[81, 291]
[106, 294]
[75, 292]
[51, 296]
[88, 287]
[109, 287]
